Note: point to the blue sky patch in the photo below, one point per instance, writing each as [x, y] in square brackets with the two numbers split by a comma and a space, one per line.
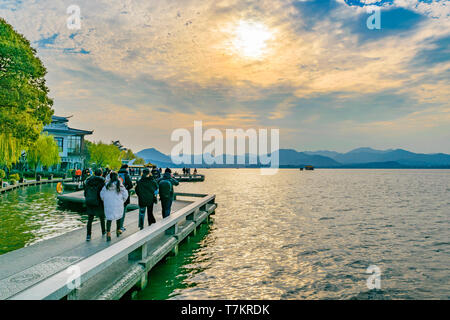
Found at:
[45, 42]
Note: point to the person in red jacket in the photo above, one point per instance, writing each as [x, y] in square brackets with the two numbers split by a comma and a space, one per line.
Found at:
[78, 174]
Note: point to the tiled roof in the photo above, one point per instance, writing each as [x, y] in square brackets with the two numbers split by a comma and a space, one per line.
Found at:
[69, 130]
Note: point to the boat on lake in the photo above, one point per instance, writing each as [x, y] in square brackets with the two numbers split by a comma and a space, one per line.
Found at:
[189, 177]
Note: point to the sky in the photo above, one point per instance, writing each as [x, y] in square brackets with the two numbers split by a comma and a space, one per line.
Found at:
[137, 70]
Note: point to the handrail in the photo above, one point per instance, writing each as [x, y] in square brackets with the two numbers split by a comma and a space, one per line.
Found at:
[192, 195]
[55, 287]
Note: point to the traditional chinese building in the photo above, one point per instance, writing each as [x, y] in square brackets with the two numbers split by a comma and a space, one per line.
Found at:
[70, 142]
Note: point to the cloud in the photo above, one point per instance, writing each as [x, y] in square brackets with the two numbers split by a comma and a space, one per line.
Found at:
[176, 60]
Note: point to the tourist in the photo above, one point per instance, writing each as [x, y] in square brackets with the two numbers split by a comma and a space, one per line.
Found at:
[156, 173]
[94, 203]
[195, 171]
[114, 194]
[106, 172]
[166, 193]
[146, 190]
[128, 183]
[85, 175]
[78, 174]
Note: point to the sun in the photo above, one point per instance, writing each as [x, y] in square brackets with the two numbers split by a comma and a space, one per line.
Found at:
[250, 39]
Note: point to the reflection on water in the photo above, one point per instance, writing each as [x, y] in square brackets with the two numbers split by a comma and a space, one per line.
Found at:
[312, 235]
[176, 272]
[295, 235]
[29, 215]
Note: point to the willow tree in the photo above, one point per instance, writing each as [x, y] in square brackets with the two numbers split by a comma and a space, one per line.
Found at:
[24, 103]
[105, 155]
[44, 152]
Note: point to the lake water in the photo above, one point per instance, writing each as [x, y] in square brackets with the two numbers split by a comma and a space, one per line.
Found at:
[32, 214]
[294, 235]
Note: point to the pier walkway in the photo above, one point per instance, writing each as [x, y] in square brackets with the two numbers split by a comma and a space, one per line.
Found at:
[103, 270]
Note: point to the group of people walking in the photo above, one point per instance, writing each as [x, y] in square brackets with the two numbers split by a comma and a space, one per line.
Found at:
[107, 197]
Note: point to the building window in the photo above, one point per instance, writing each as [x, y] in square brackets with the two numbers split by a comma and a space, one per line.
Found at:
[74, 144]
[60, 143]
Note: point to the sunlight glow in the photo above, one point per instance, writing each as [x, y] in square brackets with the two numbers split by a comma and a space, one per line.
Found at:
[251, 39]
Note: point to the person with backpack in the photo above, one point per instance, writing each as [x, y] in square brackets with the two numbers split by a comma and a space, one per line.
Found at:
[155, 173]
[94, 204]
[166, 193]
[125, 177]
[114, 194]
[146, 190]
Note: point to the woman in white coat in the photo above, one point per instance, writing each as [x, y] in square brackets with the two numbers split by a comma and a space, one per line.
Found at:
[114, 195]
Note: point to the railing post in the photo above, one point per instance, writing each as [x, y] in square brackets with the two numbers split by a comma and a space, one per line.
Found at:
[173, 230]
[191, 216]
[73, 295]
[142, 284]
[138, 254]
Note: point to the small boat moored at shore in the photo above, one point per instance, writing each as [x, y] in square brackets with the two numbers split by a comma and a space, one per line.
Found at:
[189, 178]
[73, 186]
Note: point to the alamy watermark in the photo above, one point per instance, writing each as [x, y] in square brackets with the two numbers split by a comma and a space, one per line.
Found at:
[74, 19]
[374, 280]
[190, 150]
[374, 20]
[74, 280]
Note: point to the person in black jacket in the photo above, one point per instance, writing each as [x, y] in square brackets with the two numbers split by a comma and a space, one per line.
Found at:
[94, 203]
[166, 192]
[146, 190]
[125, 177]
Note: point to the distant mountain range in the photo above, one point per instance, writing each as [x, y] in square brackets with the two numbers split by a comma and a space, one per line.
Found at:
[402, 157]
[358, 158]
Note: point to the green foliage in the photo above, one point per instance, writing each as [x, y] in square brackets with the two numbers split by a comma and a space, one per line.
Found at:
[2, 174]
[10, 148]
[14, 177]
[24, 103]
[28, 174]
[139, 161]
[16, 172]
[44, 152]
[43, 174]
[102, 155]
[128, 155]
